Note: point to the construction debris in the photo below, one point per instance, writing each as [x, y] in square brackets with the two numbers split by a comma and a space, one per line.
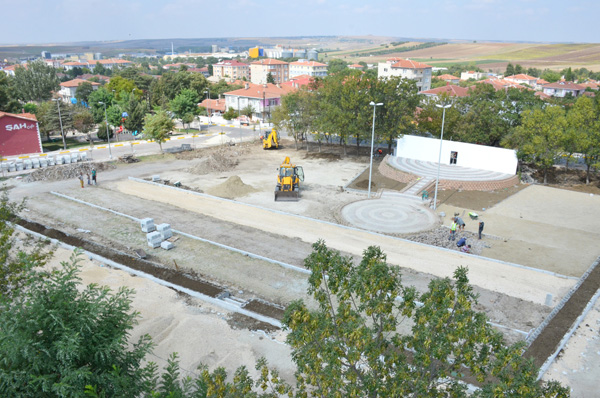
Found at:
[129, 158]
[67, 171]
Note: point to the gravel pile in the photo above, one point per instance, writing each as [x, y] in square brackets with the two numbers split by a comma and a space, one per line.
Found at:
[223, 159]
[66, 171]
[439, 237]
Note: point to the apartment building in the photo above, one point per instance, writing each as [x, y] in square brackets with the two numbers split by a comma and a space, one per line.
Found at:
[310, 68]
[231, 70]
[407, 69]
[259, 71]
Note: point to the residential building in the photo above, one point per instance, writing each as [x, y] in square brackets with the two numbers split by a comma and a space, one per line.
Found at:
[299, 81]
[561, 89]
[472, 75]
[213, 105]
[10, 69]
[522, 79]
[230, 70]
[310, 68]
[262, 98]
[68, 89]
[19, 134]
[450, 89]
[107, 63]
[502, 84]
[448, 78]
[407, 69]
[203, 70]
[259, 71]
[355, 66]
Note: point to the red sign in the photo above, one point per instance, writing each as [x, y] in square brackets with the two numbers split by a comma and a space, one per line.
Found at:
[18, 135]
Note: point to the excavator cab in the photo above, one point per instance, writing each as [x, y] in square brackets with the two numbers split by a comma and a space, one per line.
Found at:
[288, 182]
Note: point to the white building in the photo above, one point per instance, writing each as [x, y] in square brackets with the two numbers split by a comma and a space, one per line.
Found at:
[262, 98]
[310, 68]
[259, 71]
[472, 75]
[407, 69]
[68, 89]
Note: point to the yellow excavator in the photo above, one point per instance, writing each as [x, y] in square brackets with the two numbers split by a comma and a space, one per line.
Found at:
[288, 182]
[271, 140]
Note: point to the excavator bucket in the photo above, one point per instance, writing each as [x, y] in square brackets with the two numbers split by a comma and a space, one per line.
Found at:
[287, 196]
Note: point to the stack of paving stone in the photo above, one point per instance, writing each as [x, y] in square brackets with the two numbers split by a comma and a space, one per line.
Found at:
[157, 235]
[147, 225]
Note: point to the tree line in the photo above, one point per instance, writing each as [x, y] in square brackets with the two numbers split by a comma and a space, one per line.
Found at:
[59, 339]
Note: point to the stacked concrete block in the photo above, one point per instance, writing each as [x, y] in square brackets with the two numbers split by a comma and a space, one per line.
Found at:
[51, 161]
[154, 239]
[147, 225]
[155, 178]
[164, 230]
[28, 164]
[74, 157]
[167, 245]
[83, 156]
[66, 159]
[35, 162]
[43, 162]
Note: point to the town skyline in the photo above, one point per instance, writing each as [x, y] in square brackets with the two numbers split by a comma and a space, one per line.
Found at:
[67, 21]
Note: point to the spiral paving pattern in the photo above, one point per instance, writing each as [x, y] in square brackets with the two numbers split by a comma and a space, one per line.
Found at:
[398, 215]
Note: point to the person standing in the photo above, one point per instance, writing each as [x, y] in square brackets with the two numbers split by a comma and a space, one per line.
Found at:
[88, 178]
[452, 230]
[94, 176]
[81, 179]
[481, 223]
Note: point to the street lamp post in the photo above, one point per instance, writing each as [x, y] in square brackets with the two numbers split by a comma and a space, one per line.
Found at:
[62, 133]
[374, 105]
[107, 135]
[207, 92]
[239, 117]
[437, 180]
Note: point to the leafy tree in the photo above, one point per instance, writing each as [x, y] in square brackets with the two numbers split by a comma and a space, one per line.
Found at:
[510, 70]
[188, 118]
[102, 129]
[534, 72]
[247, 111]
[137, 111]
[8, 98]
[583, 133]
[230, 114]
[186, 102]
[36, 82]
[350, 345]
[336, 66]
[30, 107]
[99, 69]
[158, 126]
[569, 75]
[539, 138]
[101, 95]
[296, 115]
[518, 69]
[121, 86]
[83, 121]
[550, 76]
[400, 99]
[83, 92]
[270, 78]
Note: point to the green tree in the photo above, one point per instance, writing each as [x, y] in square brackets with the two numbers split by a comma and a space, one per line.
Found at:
[540, 137]
[158, 126]
[247, 111]
[270, 78]
[510, 70]
[137, 111]
[121, 86]
[8, 98]
[56, 339]
[83, 92]
[583, 133]
[186, 102]
[350, 345]
[99, 69]
[230, 114]
[296, 114]
[36, 82]
[518, 69]
[336, 66]
[94, 100]
[550, 76]
[569, 75]
[188, 118]
[102, 129]
[83, 121]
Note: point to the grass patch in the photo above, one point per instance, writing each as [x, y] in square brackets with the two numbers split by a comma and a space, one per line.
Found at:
[186, 131]
[57, 144]
[548, 50]
[157, 157]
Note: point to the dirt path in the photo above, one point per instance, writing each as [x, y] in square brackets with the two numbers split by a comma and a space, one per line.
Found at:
[483, 272]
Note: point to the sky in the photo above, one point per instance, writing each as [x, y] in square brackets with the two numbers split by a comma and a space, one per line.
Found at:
[57, 21]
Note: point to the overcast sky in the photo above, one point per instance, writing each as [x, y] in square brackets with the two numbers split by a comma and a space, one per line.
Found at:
[53, 21]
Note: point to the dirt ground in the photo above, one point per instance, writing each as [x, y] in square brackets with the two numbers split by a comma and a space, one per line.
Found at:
[518, 230]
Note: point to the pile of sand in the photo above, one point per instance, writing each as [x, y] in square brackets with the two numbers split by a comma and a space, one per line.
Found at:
[223, 159]
[233, 188]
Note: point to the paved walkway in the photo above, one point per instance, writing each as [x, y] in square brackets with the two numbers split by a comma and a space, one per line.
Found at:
[447, 172]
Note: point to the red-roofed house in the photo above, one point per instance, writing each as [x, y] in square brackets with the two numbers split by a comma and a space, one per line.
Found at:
[278, 69]
[501, 84]
[213, 105]
[522, 79]
[203, 71]
[561, 89]
[19, 134]
[299, 81]
[450, 89]
[68, 89]
[75, 64]
[591, 84]
[406, 69]
[449, 78]
[261, 97]
[10, 70]
[230, 70]
[355, 66]
[311, 68]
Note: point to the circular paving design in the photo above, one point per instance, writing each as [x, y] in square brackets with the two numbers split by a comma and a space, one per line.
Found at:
[397, 215]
